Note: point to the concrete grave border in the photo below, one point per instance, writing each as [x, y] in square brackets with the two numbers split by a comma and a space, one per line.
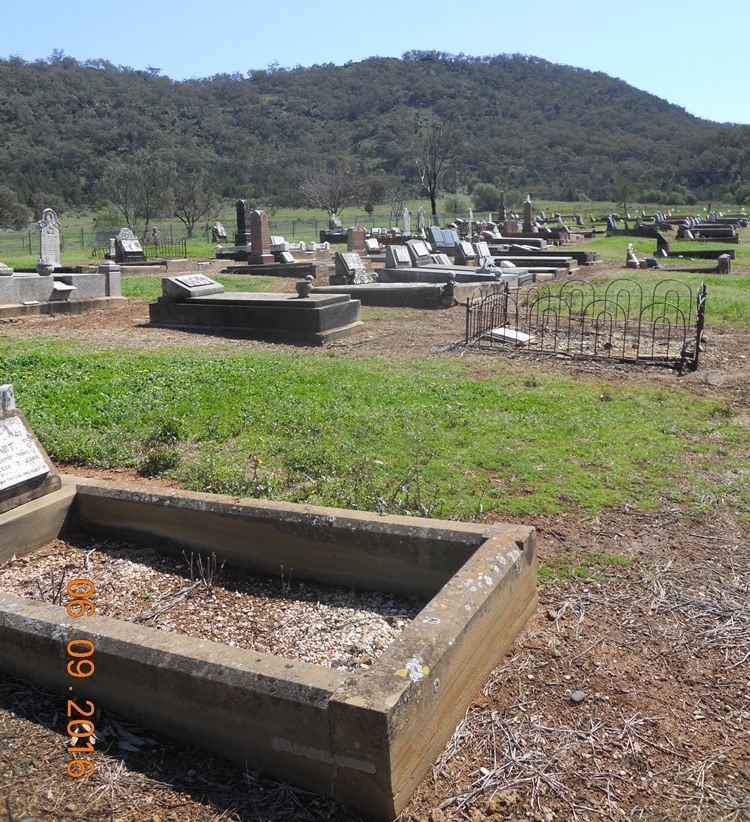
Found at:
[365, 737]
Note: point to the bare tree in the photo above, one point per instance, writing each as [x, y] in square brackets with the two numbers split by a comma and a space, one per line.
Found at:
[140, 187]
[433, 145]
[193, 196]
[331, 187]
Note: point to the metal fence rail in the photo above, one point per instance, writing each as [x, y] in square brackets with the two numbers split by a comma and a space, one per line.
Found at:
[623, 323]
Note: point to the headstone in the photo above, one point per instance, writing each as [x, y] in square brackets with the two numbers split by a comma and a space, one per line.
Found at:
[420, 223]
[441, 259]
[128, 248]
[465, 254]
[723, 264]
[528, 214]
[631, 261]
[435, 235]
[501, 213]
[25, 470]
[406, 216]
[156, 235]
[372, 245]
[49, 239]
[287, 257]
[397, 256]
[334, 222]
[242, 236]
[419, 253]
[482, 250]
[450, 237]
[5, 271]
[355, 240]
[185, 286]
[218, 232]
[350, 270]
[260, 239]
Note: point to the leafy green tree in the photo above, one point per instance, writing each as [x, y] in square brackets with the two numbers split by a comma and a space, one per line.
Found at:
[13, 214]
[486, 197]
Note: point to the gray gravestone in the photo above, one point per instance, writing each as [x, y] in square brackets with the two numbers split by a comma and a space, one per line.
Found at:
[128, 248]
[397, 256]
[420, 223]
[435, 235]
[372, 245]
[406, 216]
[25, 470]
[465, 254]
[350, 270]
[185, 286]
[419, 253]
[49, 239]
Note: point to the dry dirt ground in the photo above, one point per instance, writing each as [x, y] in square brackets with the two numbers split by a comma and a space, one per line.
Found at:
[653, 630]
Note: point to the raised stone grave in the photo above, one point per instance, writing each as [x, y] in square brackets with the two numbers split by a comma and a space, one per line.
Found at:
[194, 301]
[25, 470]
[128, 248]
[397, 256]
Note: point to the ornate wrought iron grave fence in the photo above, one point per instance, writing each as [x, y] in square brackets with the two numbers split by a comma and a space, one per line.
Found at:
[619, 322]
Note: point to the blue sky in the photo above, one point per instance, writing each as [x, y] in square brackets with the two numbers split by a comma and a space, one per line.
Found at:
[692, 53]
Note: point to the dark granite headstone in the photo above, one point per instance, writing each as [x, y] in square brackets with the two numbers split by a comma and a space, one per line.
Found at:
[242, 237]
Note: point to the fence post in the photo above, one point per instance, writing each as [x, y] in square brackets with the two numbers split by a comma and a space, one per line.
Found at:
[292, 228]
[83, 241]
[171, 235]
[29, 241]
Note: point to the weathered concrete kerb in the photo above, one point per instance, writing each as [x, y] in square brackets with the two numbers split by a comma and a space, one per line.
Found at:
[365, 737]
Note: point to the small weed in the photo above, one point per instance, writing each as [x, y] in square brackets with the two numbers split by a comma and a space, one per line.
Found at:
[159, 460]
[52, 591]
[204, 570]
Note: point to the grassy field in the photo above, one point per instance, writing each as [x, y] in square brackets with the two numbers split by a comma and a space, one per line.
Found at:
[422, 439]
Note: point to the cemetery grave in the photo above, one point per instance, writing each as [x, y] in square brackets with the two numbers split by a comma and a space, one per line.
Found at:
[623, 322]
[365, 734]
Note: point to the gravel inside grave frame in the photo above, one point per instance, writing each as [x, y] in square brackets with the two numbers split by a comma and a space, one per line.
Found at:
[326, 625]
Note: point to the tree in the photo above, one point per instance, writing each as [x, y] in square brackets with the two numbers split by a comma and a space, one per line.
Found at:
[331, 187]
[194, 197]
[624, 188]
[486, 197]
[13, 214]
[433, 145]
[140, 187]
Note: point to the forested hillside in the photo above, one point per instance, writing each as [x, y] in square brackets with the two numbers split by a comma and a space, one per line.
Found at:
[517, 122]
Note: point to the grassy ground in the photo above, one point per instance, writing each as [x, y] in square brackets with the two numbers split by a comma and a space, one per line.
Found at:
[379, 435]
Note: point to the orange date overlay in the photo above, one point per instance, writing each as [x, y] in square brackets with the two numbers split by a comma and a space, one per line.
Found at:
[80, 666]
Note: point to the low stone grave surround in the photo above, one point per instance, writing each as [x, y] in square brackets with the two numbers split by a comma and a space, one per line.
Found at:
[365, 736]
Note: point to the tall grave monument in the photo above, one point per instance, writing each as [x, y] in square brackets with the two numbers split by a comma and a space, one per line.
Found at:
[49, 242]
[260, 239]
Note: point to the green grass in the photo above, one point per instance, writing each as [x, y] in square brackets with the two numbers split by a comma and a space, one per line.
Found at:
[591, 567]
[149, 288]
[424, 439]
